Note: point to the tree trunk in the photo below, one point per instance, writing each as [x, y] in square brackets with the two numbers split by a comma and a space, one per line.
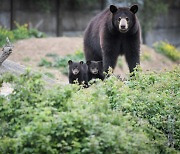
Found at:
[6, 51]
[12, 14]
[59, 17]
[17, 69]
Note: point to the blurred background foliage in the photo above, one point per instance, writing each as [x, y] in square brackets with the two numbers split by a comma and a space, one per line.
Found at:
[59, 17]
[21, 32]
[46, 5]
[148, 10]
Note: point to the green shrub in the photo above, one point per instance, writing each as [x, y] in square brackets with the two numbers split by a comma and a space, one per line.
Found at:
[152, 96]
[61, 62]
[26, 59]
[45, 62]
[35, 33]
[21, 32]
[49, 74]
[140, 115]
[168, 50]
[5, 33]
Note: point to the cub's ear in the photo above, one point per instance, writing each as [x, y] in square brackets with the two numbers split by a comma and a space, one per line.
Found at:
[88, 62]
[70, 62]
[134, 8]
[81, 62]
[113, 8]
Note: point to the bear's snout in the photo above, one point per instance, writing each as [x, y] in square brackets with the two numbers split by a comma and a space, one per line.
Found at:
[123, 25]
[75, 71]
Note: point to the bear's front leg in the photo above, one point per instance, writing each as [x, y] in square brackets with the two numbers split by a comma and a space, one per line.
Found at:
[71, 80]
[110, 50]
[133, 59]
[101, 76]
[109, 60]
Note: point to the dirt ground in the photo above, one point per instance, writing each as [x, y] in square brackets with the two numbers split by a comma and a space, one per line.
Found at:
[30, 52]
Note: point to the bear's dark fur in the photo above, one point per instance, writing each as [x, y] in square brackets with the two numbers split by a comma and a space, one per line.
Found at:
[113, 32]
[78, 71]
[95, 70]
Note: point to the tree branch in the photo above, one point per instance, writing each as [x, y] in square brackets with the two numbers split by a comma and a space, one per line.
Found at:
[6, 51]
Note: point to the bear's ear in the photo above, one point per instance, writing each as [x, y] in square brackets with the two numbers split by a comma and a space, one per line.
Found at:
[134, 8]
[70, 62]
[113, 8]
[81, 62]
[88, 62]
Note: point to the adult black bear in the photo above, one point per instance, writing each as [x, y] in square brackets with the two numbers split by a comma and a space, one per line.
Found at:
[95, 70]
[78, 71]
[113, 32]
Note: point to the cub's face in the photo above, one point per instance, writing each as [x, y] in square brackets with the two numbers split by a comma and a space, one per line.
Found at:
[75, 67]
[123, 18]
[94, 66]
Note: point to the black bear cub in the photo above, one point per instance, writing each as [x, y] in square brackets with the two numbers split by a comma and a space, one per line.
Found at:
[95, 70]
[78, 71]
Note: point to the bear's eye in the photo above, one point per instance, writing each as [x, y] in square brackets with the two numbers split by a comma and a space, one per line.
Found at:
[127, 19]
[119, 19]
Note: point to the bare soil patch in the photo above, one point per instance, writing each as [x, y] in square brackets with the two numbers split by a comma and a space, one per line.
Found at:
[30, 52]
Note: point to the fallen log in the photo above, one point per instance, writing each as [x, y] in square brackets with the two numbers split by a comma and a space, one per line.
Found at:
[6, 51]
[15, 68]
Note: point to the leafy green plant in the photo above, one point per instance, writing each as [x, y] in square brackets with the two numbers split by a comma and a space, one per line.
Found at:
[168, 50]
[152, 96]
[21, 32]
[45, 62]
[61, 62]
[26, 59]
[49, 74]
[145, 56]
[5, 33]
[140, 115]
[35, 33]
